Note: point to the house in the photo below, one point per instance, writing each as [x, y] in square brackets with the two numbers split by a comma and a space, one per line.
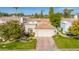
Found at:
[6, 19]
[41, 27]
[66, 23]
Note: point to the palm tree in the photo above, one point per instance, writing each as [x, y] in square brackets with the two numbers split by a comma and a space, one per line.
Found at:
[67, 12]
[16, 10]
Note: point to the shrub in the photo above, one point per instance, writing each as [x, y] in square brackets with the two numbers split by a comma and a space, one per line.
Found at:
[9, 30]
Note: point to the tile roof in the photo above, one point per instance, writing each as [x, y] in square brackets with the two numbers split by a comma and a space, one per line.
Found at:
[36, 19]
[68, 19]
[44, 26]
[43, 23]
[5, 19]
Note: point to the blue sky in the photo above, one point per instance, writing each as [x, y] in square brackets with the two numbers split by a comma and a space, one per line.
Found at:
[32, 10]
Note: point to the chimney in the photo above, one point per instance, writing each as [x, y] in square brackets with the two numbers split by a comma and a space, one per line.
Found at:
[21, 20]
[76, 17]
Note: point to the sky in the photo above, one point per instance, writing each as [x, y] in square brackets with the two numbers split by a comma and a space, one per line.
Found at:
[33, 10]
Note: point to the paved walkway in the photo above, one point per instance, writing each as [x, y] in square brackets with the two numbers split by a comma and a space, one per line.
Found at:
[45, 44]
[61, 33]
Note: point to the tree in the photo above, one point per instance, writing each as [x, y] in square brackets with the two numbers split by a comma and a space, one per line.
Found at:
[41, 15]
[74, 29]
[16, 8]
[32, 15]
[36, 15]
[54, 18]
[20, 14]
[57, 19]
[9, 30]
[51, 13]
[4, 14]
[67, 13]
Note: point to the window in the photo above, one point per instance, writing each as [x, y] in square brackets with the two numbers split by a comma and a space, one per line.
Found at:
[63, 25]
[30, 30]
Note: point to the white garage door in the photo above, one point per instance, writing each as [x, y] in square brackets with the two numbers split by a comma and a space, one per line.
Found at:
[44, 32]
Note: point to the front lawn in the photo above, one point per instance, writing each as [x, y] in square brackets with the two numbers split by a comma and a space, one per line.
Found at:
[28, 45]
[63, 42]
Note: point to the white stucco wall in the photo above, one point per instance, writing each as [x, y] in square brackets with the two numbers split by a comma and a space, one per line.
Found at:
[65, 26]
[21, 20]
[75, 17]
[27, 26]
[45, 32]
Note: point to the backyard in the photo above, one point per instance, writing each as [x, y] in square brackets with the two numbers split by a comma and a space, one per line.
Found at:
[64, 42]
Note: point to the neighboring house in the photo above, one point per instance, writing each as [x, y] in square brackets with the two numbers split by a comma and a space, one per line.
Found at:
[41, 27]
[66, 23]
[6, 19]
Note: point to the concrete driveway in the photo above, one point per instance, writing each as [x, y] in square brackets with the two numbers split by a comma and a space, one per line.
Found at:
[45, 44]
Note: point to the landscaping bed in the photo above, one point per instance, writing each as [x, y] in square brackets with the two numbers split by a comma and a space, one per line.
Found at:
[28, 45]
[64, 42]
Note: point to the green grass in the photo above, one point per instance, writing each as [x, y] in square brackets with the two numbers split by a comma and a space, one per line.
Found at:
[63, 42]
[31, 44]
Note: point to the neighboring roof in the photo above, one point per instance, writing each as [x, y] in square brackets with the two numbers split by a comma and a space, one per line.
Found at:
[5, 19]
[68, 19]
[8, 18]
[44, 26]
[37, 19]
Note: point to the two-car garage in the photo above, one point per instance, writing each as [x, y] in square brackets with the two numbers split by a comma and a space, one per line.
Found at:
[45, 32]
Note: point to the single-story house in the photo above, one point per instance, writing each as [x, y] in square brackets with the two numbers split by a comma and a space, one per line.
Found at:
[41, 27]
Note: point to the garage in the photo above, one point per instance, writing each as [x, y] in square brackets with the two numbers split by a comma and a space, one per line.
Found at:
[44, 32]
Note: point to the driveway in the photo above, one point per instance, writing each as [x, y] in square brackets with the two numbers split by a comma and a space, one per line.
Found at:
[45, 44]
